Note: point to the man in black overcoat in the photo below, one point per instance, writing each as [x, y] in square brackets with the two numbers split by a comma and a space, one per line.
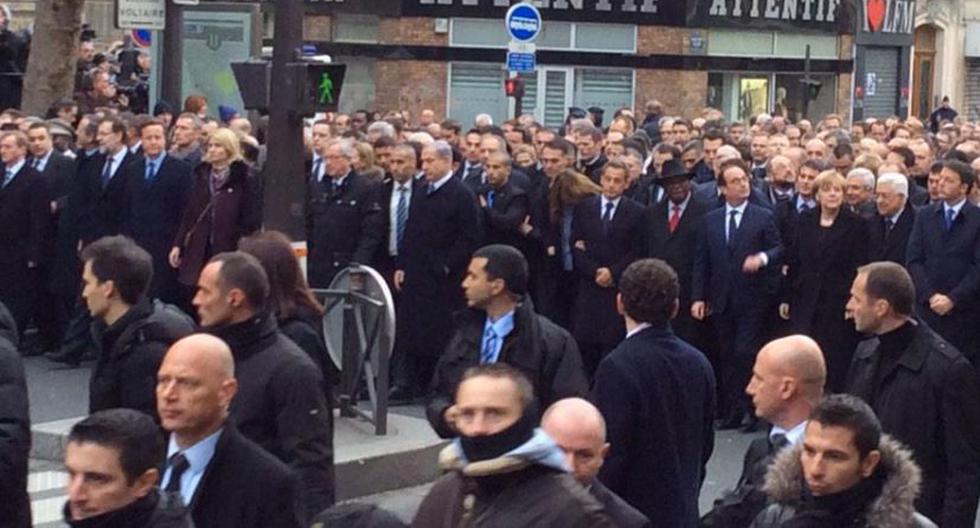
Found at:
[503, 205]
[889, 230]
[607, 235]
[442, 232]
[101, 187]
[156, 192]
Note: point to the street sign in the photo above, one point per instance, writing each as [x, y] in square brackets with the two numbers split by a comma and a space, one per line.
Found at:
[141, 14]
[142, 37]
[516, 46]
[523, 22]
[520, 62]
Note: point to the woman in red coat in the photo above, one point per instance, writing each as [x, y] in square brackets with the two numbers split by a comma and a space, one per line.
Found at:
[225, 204]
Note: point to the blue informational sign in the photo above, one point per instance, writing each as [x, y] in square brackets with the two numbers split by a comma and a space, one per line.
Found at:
[520, 62]
[523, 22]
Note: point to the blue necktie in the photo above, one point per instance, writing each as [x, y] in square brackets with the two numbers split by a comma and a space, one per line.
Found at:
[607, 217]
[490, 338]
[732, 227]
[401, 216]
[950, 215]
[490, 198]
[315, 174]
[106, 173]
[8, 175]
[151, 172]
[430, 188]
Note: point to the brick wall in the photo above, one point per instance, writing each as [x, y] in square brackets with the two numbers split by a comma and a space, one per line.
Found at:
[681, 92]
[410, 30]
[661, 40]
[317, 28]
[411, 84]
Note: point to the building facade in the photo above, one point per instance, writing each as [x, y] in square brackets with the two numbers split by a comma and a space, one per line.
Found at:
[741, 56]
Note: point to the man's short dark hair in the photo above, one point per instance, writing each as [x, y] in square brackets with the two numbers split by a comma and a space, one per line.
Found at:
[738, 163]
[507, 264]
[451, 124]
[844, 150]
[503, 371]
[964, 171]
[888, 281]
[818, 165]
[385, 142]
[649, 290]
[853, 414]
[713, 134]
[122, 261]
[566, 147]
[242, 271]
[908, 157]
[118, 125]
[131, 433]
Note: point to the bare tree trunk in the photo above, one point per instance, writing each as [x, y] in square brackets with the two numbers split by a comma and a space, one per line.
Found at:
[50, 72]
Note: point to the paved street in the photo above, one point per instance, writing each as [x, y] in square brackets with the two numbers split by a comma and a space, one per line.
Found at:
[57, 393]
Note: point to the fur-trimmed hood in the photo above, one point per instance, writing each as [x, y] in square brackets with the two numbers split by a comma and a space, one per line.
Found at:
[894, 508]
[539, 450]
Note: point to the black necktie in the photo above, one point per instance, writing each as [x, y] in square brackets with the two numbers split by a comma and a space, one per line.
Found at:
[778, 441]
[607, 216]
[178, 465]
[732, 227]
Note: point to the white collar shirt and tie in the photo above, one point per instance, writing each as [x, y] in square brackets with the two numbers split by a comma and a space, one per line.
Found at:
[436, 185]
[733, 218]
[39, 164]
[10, 172]
[153, 167]
[807, 203]
[112, 164]
[609, 211]
[197, 456]
[792, 437]
[950, 212]
[494, 333]
[317, 171]
[401, 198]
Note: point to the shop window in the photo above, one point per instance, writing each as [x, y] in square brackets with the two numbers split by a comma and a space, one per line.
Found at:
[789, 95]
[742, 96]
[605, 37]
[748, 43]
[608, 89]
[793, 45]
[355, 28]
[359, 85]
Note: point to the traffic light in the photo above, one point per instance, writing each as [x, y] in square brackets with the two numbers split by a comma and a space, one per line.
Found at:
[323, 84]
[514, 87]
[812, 88]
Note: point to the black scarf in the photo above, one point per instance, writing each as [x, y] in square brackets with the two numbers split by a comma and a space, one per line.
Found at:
[840, 510]
[478, 448]
[132, 515]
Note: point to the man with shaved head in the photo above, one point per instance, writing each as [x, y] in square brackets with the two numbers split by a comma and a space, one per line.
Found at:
[579, 430]
[227, 480]
[787, 384]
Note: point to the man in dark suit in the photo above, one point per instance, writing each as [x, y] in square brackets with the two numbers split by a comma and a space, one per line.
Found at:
[225, 479]
[503, 205]
[394, 198]
[788, 212]
[58, 173]
[672, 234]
[580, 431]
[24, 223]
[343, 218]
[736, 278]
[472, 166]
[711, 192]
[787, 384]
[889, 230]
[442, 232]
[944, 260]
[607, 235]
[153, 203]
[657, 394]
[589, 142]
[100, 190]
[477, 181]
[780, 180]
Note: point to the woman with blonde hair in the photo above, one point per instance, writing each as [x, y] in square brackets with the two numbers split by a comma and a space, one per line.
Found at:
[830, 244]
[225, 204]
[365, 164]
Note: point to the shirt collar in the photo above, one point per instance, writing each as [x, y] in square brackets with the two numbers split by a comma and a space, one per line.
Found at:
[441, 181]
[639, 328]
[800, 200]
[118, 156]
[15, 168]
[740, 209]
[682, 205]
[135, 147]
[794, 435]
[157, 160]
[894, 218]
[956, 207]
[199, 454]
[607, 200]
[502, 326]
[43, 160]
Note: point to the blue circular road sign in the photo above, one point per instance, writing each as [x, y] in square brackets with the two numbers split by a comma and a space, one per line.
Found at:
[523, 22]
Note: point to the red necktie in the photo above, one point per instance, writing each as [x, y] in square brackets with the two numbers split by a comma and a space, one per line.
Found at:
[675, 219]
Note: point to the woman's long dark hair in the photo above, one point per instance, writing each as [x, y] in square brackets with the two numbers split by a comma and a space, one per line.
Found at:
[289, 293]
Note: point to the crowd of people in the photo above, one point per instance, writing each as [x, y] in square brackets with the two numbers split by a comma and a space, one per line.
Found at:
[579, 309]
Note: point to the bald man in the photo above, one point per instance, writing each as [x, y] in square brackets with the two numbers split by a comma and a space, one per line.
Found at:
[579, 430]
[787, 384]
[228, 480]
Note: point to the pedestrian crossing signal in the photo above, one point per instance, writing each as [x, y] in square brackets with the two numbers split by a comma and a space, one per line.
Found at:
[323, 84]
[514, 87]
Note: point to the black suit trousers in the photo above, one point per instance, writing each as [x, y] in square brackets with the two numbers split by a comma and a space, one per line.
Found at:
[740, 335]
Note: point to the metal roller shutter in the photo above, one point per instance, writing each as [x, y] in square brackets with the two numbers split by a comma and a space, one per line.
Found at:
[972, 96]
[477, 89]
[881, 64]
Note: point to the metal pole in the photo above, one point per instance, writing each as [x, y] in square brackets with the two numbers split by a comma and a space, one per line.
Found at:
[283, 172]
[806, 83]
[518, 106]
[173, 56]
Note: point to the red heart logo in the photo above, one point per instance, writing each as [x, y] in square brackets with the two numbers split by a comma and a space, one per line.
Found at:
[876, 14]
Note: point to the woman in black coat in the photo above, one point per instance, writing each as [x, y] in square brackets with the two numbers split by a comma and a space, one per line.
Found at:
[829, 245]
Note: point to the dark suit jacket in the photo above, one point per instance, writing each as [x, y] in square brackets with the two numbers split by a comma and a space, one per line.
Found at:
[501, 221]
[100, 210]
[946, 262]
[658, 396]
[24, 227]
[890, 246]
[478, 186]
[245, 487]
[718, 276]
[594, 318]
[383, 191]
[342, 226]
[738, 507]
[619, 511]
[680, 248]
[59, 177]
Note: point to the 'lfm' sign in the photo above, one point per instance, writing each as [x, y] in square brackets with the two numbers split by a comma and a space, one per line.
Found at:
[889, 16]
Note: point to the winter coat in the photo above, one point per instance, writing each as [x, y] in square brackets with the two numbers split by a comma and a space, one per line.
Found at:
[893, 508]
[130, 353]
[527, 487]
[15, 429]
[280, 404]
[158, 509]
[543, 351]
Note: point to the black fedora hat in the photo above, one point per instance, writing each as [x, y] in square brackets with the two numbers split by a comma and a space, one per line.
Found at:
[673, 169]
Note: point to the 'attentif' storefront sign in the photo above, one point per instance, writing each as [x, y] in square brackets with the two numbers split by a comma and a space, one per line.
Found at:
[644, 12]
[824, 16]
